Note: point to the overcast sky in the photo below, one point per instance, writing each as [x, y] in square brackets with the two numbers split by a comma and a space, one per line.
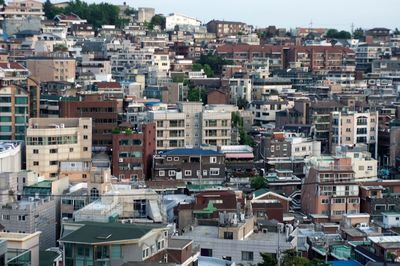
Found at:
[284, 13]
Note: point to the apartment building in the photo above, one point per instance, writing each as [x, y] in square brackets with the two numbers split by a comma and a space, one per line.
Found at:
[52, 68]
[10, 156]
[50, 141]
[161, 62]
[133, 153]
[223, 28]
[22, 9]
[329, 188]
[367, 53]
[145, 14]
[191, 165]
[264, 88]
[216, 129]
[352, 128]
[240, 88]
[14, 109]
[112, 243]
[313, 58]
[173, 20]
[170, 126]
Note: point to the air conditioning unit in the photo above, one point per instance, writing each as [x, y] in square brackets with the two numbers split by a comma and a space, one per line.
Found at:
[62, 125]
[121, 160]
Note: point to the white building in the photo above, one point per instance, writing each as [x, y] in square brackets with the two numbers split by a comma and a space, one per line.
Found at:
[180, 20]
[10, 156]
[264, 112]
[391, 219]
[240, 88]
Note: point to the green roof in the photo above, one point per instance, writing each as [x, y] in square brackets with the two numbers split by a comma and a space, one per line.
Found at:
[260, 192]
[94, 232]
[42, 184]
[341, 251]
[46, 258]
[209, 209]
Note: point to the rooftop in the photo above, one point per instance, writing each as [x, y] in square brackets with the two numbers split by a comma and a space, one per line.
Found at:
[191, 151]
[92, 232]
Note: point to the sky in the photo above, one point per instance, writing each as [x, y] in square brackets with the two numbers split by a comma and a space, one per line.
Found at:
[340, 14]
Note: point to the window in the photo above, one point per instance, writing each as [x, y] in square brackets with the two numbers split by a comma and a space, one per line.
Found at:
[85, 136]
[53, 150]
[214, 171]
[188, 172]
[369, 167]
[325, 201]
[21, 217]
[339, 200]
[53, 162]
[145, 252]
[35, 163]
[171, 173]
[85, 127]
[228, 235]
[116, 251]
[169, 159]
[206, 252]
[176, 159]
[161, 173]
[85, 148]
[213, 159]
[71, 149]
[35, 151]
[204, 172]
[247, 255]
[5, 217]
[361, 168]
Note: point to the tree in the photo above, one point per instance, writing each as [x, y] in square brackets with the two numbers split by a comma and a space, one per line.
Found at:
[206, 68]
[158, 20]
[242, 103]
[335, 34]
[396, 31]
[268, 260]
[50, 11]
[258, 182]
[215, 62]
[197, 94]
[358, 33]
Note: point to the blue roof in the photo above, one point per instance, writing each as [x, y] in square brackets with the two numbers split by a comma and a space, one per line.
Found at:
[344, 263]
[191, 151]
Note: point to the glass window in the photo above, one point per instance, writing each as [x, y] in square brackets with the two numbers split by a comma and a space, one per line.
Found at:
[21, 100]
[247, 255]
[116, 251]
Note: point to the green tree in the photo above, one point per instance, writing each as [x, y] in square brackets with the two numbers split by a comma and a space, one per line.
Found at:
[242, 103]
[396, 31]
[335, 34]
[158, 20]
[331, 33]
[258, 182]
[358, 33]
[206, 68]
[50, 11]
[268, 260]
[197, 94]
[215, 62]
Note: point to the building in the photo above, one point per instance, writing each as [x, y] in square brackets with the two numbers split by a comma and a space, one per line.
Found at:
[22, 248]
[216, 126]
[190, 164]
[19, 9]
[51, 141]
[52, 68]
[223, 28]
[145, 14]
[29, 216]
[367, 53]
[352, 128]
[103, 113]
[264, 111]
[174, 20]
[329, 188]
[10, 156]
[133, 153]
[112, 243]
[391, 219]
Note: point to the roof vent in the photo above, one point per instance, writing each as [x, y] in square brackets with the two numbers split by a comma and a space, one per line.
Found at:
[103, 236]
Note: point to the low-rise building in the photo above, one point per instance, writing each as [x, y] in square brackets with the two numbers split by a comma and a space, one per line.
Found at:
[10, 156]
[22, 248]
[191, 165]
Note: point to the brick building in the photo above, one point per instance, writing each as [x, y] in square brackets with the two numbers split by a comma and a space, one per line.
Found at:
[133, 153]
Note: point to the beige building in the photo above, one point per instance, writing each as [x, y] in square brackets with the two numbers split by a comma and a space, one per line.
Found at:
[22, 9]
[192, 125]
[352, 128]
[52, 68]
[26, 245]
[50, 141]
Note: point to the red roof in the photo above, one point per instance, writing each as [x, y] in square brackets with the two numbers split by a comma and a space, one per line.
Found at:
[238, 48]
[107, 85]
[12, 65]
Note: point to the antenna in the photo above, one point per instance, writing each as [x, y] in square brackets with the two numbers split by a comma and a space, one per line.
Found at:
[352, 28]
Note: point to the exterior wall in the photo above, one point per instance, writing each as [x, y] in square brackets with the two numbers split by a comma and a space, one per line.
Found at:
[145, 150]
[104, 116]
[189, 167]
[72, 142]
[10, 160]
[284, 203]
[39, 215]
[24, 242]
[15, 113]
[52, 69]
[216, 128]
[175, 19]
[240, 232]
